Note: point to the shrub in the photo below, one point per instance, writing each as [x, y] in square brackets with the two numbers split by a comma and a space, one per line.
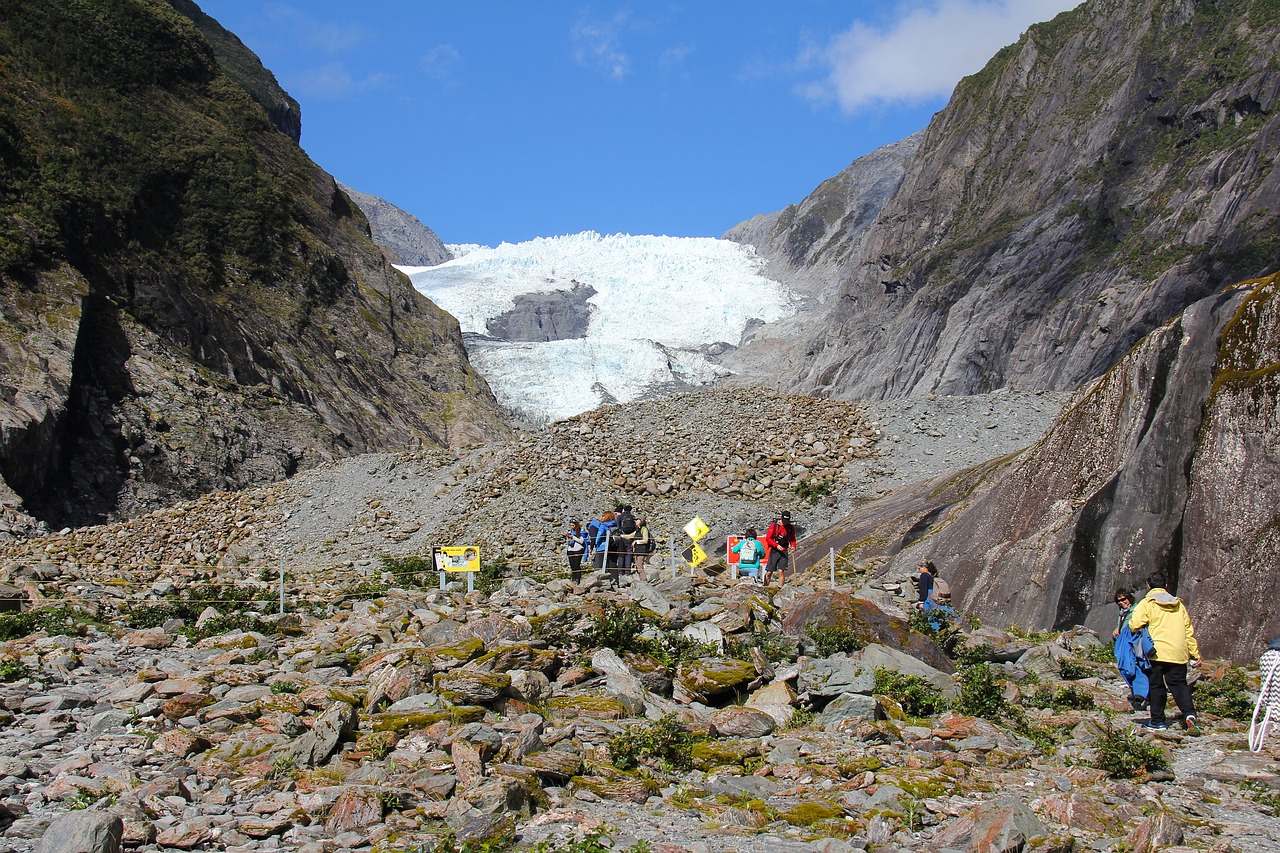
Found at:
[917, 697]
[1074, 670]
[833, 639]
[811, 490]
[1069, 698]
[663, 743]
[1124, 755]
[56, 621]
[1227, 696]
[414, 570]
[982, 692]
[13, 670]
[775, 647]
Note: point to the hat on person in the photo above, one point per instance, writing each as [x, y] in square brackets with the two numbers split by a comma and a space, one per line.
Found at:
[785, 516]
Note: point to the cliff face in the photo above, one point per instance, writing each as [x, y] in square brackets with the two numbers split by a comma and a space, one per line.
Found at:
[1168, 462]
[405, 238]
[1096, 178]
[189, 304]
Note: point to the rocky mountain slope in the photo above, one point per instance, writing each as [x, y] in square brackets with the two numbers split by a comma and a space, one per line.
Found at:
[1168, 462]
[1096, 178]
[405, 238]
[189, 303]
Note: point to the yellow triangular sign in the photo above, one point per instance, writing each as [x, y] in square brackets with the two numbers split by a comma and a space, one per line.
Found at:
[694, 555]
[696, 530]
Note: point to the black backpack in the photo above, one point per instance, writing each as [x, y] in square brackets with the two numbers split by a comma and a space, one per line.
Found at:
[627, 523]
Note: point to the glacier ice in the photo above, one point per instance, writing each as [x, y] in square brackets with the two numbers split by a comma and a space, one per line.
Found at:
[658, 302]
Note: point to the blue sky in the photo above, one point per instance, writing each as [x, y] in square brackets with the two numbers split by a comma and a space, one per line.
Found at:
[504, 121]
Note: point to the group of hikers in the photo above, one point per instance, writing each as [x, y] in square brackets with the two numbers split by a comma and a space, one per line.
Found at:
[619, 543]
[1154, 643]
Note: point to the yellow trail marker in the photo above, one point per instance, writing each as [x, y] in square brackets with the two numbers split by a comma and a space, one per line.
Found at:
[461, 558]
[697, 529]
[694, 555]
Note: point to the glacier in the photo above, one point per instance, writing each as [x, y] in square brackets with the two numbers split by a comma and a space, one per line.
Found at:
[663, 307]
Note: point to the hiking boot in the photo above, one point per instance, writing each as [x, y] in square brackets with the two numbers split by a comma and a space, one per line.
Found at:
[1189, 723]
[1152, 725]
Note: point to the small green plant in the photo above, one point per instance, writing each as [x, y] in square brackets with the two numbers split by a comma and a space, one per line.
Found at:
[775, 647]
[1124, 755]
[833, 639]
[284, 767]
[1032, 636]
[1074, 670]
[1263, 795]
[1226, 696]
[1100, 653]
[811, 490]
[802, 718]
[1069, 698]
[598, 840]
[13, 670]
[85, 798]
[286, 687]
[664, 743]
[917, 697]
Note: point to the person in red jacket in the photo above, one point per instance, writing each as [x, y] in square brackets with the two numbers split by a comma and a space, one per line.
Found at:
[780, 538]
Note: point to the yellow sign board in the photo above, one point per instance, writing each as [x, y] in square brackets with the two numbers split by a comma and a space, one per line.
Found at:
[694, 555]
[458, 558]
[697, 529]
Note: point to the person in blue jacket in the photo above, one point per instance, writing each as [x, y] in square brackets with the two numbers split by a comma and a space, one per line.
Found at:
[1130, 659]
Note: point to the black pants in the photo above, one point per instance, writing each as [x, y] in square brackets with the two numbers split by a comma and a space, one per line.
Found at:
[575, 567]
[1169, 678]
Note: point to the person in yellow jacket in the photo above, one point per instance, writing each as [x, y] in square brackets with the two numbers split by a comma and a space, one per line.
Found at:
[1165, 618]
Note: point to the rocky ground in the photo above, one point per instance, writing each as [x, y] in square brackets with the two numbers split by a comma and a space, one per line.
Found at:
[372, 715]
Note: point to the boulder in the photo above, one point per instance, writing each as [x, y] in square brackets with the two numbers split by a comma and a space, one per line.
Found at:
[85, 831]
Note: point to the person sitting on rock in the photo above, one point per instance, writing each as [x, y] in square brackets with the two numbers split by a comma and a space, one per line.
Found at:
[749, 550]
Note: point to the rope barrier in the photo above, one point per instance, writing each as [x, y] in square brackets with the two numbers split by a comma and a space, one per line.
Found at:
[1268, 699]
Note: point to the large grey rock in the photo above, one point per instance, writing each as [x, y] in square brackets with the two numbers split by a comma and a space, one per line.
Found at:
[876, 656]
[83, 832]
[315, 746]
[830, 677]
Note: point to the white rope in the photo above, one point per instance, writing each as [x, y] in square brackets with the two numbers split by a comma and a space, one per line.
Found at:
[1268, 699]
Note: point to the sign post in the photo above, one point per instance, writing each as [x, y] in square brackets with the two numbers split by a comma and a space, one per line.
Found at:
[458, 558]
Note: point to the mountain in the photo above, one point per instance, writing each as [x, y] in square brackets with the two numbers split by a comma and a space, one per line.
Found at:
[1166, 463]
[560, 325]
[188, 303]
[1108, 170]
[405, 238]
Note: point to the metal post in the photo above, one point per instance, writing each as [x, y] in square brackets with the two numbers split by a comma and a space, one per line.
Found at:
[671, 556]
[471, 581]
[282, 587]
[833, 568]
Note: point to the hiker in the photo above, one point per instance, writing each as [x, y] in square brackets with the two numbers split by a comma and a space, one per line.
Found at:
[780, 538]
[575, 547]
[924, 583]
[1131, 658]
[600, 542]
[641, 547]
[1166, 618]
[749, 550]
[626, 532]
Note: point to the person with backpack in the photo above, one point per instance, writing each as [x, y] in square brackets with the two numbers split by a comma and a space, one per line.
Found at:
[1130, 655]
[1175, 647]
[600, 543]
[749, 550]
[641, 547]
[589, 533]
[781, 538]
[627, 532]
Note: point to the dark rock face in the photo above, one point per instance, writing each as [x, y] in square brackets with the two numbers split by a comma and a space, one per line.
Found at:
[1167, 463]
[557, 316]
[243, 66]
[197, 306]
[407, 240]
[1094, 180]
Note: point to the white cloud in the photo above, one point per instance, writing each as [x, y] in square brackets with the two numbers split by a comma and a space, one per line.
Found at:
[328, 37]
[598, 45]
[441, 62]
[333, 82]
[922, 54]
